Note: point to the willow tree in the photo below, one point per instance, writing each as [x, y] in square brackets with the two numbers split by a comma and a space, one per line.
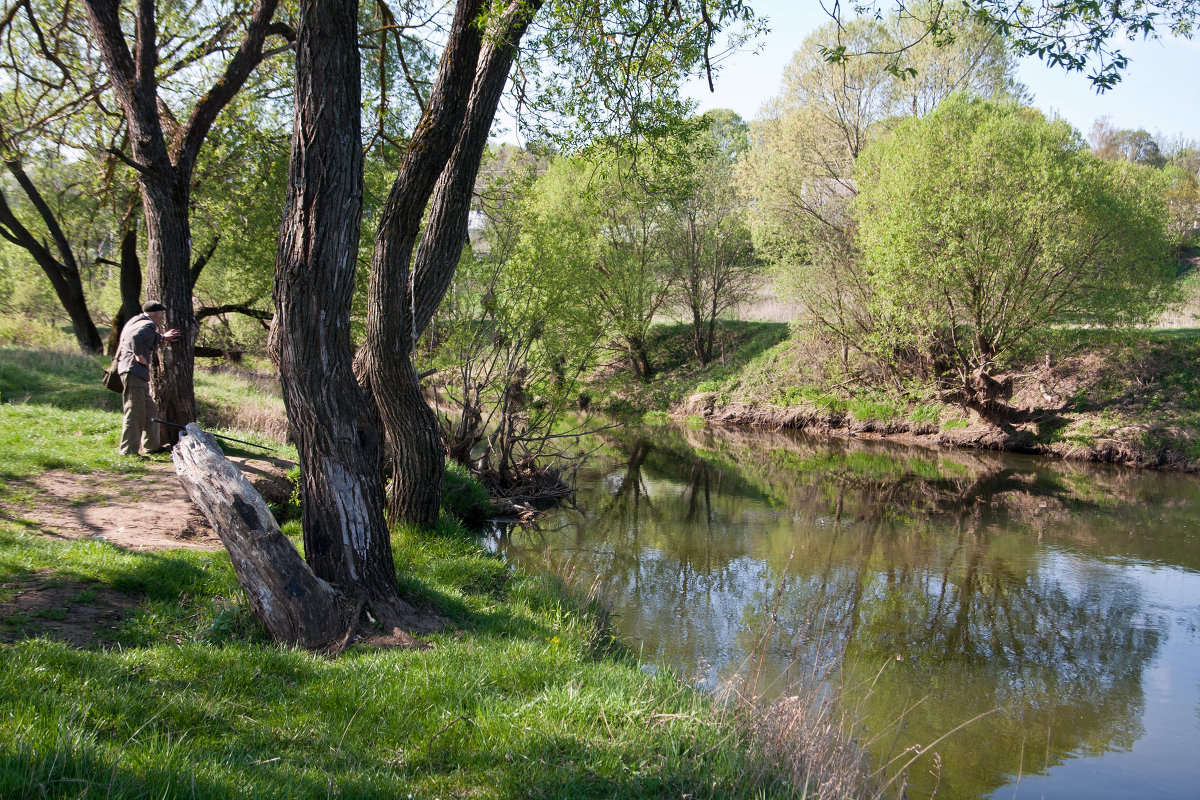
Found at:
[637, 50]
[984, 224]
[606, 68]
[799, 172]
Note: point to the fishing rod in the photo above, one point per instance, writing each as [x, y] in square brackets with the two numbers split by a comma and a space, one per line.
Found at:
[219, 436]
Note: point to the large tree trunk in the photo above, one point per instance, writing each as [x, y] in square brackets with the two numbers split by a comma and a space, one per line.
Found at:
[345, 539]
[164, 169]
[413, 442]
[296, 606]
[404, 307]
[166, 199]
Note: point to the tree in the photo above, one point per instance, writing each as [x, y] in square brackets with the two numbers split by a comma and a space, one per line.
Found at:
[53, 205]
[58, 261]
[984, 224]
[1111, 143]
[617, 66]
[514, 335]
[631, 274]
[707, 236]
[338, 433]
[799, 173]
[163, 149]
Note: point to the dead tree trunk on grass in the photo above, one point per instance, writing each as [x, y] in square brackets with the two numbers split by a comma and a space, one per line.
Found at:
[295, 605]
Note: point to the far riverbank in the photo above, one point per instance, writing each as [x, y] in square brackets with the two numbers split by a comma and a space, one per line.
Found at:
[1122, 397]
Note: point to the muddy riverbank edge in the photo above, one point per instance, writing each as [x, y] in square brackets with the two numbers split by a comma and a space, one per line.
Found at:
[1142, 445]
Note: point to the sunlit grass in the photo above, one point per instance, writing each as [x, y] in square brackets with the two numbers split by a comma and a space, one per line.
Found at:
[524, 694]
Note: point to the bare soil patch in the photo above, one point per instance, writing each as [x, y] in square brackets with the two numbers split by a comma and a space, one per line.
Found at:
[76, 612]
[135, 512]
[143, 512]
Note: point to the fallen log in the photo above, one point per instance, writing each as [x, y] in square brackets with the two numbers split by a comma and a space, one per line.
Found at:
[295, 605]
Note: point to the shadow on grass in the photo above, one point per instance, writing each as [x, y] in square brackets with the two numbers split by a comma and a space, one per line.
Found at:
[161, 576]
[271, 722]
[69, 381]
[735, 343]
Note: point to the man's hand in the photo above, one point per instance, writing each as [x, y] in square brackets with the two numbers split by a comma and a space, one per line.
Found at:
[172, 335]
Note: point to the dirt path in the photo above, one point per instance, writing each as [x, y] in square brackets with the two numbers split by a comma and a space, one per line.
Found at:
[146, 512]
[135, 512]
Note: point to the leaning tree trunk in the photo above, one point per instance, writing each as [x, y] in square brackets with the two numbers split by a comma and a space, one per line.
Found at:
[345, 539]
[295, 606]
[413, 441]
[415, 450]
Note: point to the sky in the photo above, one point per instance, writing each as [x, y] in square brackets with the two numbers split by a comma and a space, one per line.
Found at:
[1160, 90]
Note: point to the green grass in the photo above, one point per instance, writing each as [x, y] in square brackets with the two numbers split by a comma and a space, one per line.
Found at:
[522, 697]
[677, 374]
[524, 694]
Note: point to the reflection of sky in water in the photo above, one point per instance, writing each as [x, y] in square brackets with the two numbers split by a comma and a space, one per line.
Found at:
[1164, 762]
[1066, 597]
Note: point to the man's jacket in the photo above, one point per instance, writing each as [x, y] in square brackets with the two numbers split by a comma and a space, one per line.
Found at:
[139, 337]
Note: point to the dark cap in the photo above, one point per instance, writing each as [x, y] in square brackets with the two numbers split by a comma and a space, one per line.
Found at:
[151, 306]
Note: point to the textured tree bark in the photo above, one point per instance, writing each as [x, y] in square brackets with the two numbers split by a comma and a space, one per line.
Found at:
[403, 303]
[295, 605]
[164, 169]
[345, 539]
[413, 441]
[131, 284]
[168, 280]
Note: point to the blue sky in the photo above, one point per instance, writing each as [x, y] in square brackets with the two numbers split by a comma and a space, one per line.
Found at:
[1160, 90]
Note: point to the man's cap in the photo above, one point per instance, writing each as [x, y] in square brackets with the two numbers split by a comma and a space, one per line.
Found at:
[151, 306]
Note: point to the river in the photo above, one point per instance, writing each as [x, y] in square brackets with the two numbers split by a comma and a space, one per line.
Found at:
[1043, 614]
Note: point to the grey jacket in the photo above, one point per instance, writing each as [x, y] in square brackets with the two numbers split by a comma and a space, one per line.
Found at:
[139, 337]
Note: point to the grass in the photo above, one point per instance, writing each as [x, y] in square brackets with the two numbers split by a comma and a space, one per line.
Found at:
[517, 700]
[525, 694]
[1128, 395]
[677, 375]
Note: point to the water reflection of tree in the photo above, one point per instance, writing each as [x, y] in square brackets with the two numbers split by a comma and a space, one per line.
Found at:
[927, 557]
[925, 562]
[975, 625]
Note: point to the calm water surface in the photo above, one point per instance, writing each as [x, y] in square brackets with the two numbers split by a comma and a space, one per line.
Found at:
[1061, 601]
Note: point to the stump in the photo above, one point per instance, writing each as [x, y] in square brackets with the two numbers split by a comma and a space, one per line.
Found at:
[295, 605]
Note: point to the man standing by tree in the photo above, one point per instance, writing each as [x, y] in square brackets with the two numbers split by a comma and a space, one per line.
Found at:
[139, 339]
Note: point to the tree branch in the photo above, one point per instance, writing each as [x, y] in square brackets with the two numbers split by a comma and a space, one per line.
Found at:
[187, 146]
[233, 308]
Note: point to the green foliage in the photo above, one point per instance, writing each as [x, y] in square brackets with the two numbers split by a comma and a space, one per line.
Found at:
[464, 497]
[18, 330]
[611, 70]
[874, 407]
[799, 173]
[984, 224]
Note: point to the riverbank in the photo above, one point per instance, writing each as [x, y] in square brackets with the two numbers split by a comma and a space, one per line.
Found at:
[1122, 397]
[131, 671]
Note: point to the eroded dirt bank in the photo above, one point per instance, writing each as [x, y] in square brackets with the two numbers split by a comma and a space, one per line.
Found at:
[1135, 444]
